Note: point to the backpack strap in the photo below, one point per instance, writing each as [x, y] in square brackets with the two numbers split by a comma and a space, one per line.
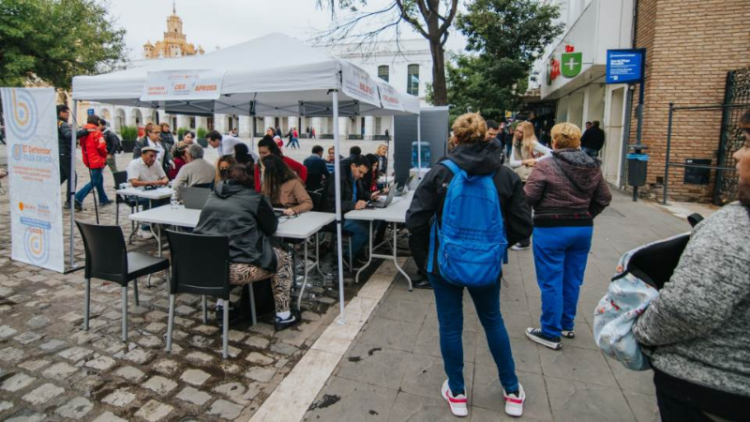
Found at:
[451, 166]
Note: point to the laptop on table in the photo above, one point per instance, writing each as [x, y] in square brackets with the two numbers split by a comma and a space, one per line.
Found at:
[388, 199]
[194, 198]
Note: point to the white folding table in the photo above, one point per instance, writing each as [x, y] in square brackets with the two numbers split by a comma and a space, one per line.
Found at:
[152, 194]
[301, 227]
[395, 213]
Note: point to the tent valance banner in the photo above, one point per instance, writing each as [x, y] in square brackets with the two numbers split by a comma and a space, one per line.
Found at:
[34, 177]
[188, 85]
[358, 84]
[389, 97]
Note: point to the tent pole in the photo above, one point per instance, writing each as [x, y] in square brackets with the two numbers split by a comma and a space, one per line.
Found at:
[419, 147]
[71, 181]
[252, 135]
[339, 223]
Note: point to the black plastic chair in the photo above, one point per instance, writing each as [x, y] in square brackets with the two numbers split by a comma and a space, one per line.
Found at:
[107, 258]
[120, 178]
[200, 265]
[317, 200]
[314, 181]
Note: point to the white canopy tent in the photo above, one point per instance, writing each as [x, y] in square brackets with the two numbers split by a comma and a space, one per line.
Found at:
[248, 79]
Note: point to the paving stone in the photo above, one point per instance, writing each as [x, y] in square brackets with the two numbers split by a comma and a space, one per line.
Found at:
[5, 405]
[166, 366]
[43, 394]
[38, 321]
[200, 357]
[26, 416]
[101, 363]
[206, 329]
[184, 310]
[74, 354]
[75, 409]
[232, 351]
[11, 354]
[154, 411]
[7, 331]
[201, 341]
[195, 377]
[119, 398]
[52, 345]
[196, 397]
[259, 359]
[225, 409]
[27, 337]
[156, 316]
[259, 342]
[112, 315]
[17, 382]
[83, 337]
[183, 322]
[236, 336]
[109, 345]
[233, 390]
[89, 384]
[33, 365]
[109, 417]
[284, 349]
[59, 371]
[5, 308]
[261, 374]
[138, 356]
[160, 385]
[6, 292]
[150, 342]
[130, 373]
[263, 328]
[156, 327]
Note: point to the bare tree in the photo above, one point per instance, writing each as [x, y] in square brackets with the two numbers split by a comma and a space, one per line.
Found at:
[432, 19]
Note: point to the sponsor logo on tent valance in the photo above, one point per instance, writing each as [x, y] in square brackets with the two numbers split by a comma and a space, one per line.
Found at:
[183, 85]
[358, 84]
[389, 97]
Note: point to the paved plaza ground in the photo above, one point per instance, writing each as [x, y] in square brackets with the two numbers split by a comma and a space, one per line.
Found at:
[387, 366]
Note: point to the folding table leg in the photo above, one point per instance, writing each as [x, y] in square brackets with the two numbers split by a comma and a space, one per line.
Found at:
[170, 323]
[252, 304]
[369, 257]
[125, 313]
[87, 305]
[225, 337]
[205, 309]
[395, 255]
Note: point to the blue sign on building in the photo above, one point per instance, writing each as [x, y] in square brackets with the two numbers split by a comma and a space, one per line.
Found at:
[90, 112]
[625, 66]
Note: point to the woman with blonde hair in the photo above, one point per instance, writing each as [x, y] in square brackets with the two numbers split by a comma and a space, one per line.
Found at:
[526, 151]
[478, 159]
[567, 191]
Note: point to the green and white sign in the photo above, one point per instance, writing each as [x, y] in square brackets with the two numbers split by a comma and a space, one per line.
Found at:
[571, 64]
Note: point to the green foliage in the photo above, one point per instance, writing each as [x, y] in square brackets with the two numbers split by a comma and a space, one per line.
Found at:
[504, 38]
[54, 40]
[129, 133]
[181, 132]
[202, 132]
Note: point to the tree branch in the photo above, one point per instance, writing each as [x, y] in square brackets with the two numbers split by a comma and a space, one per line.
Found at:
[413, 22]
[452, 14]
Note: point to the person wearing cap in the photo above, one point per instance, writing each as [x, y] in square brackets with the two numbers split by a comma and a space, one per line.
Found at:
[146, 171]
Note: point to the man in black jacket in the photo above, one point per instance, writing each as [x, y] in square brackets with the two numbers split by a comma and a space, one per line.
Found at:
[65, 152]
[317, 171]
[113, 143]
[353, 197]
[592, 140]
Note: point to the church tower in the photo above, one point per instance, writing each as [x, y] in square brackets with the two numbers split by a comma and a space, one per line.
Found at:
[174, 43]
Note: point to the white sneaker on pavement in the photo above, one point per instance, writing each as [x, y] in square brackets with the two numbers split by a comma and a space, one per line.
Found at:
[514, 403]
[458, 404]
[145, 234]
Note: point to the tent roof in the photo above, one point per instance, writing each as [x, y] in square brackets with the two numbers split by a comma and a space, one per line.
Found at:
[252, 73]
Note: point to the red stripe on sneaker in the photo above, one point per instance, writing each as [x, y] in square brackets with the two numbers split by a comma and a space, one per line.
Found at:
[512, 400]
[452, 400]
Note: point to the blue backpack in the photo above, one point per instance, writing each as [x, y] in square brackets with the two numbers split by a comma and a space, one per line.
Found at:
[471, 237]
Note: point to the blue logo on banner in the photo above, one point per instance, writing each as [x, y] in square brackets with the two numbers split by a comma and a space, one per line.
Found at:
[23, 119]
[625, 66]
[17, 152]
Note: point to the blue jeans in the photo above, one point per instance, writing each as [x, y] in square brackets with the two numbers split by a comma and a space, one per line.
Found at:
[591, 152]
[560, 257]
[360, 231]
[449, 303]
[97, 181]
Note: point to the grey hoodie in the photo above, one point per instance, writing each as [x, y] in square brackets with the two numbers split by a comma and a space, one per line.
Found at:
[700, 323]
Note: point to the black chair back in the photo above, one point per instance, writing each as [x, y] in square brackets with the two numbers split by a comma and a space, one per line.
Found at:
[317, 199]
[200, 264]
[314, 181]
[120, 178]
[106, 253]
[204, 185]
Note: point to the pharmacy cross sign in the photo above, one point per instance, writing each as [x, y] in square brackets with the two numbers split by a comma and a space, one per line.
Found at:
[571, 64]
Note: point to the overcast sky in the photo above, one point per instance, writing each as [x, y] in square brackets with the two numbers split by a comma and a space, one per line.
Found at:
[223, 23]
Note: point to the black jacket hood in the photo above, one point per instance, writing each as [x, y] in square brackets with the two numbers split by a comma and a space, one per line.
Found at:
[227, 188]
[579, 168]
[478, 157]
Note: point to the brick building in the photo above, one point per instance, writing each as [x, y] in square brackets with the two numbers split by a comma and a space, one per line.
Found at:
[692, 45]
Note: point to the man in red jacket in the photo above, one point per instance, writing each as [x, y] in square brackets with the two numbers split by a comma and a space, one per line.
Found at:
[94, 149]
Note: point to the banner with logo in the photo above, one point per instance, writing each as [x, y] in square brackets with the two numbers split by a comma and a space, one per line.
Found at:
[34, 177]
[170, 85]
[389, 97]
[358, 84]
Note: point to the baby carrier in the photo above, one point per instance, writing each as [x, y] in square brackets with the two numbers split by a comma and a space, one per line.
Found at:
[639, 276]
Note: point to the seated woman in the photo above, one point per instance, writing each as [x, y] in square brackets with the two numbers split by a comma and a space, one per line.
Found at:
[225, 161]
[282, 186]
[370, 180]
[178, 158]
[235, 210]
[267, 146]
[243, 155]
[188, 138]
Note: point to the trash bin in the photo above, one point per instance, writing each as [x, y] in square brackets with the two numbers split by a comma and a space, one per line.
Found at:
[637, 169]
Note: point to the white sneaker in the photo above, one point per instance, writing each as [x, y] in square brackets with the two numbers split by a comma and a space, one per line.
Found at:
[519, 247]
[145, 234]
[514, 403]
[458, 404]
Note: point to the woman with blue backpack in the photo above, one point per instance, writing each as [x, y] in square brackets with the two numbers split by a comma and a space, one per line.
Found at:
[473, 207]
[567, 191]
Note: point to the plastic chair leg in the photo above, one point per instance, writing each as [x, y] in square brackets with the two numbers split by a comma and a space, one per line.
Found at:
[135, 292]
[205, 309]
[225, 337]
[125, 313]
[87, 305]
[252, 304]
[170, 323]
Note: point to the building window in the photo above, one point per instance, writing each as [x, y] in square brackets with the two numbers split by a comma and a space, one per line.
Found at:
[412, 80]
[383, 73]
